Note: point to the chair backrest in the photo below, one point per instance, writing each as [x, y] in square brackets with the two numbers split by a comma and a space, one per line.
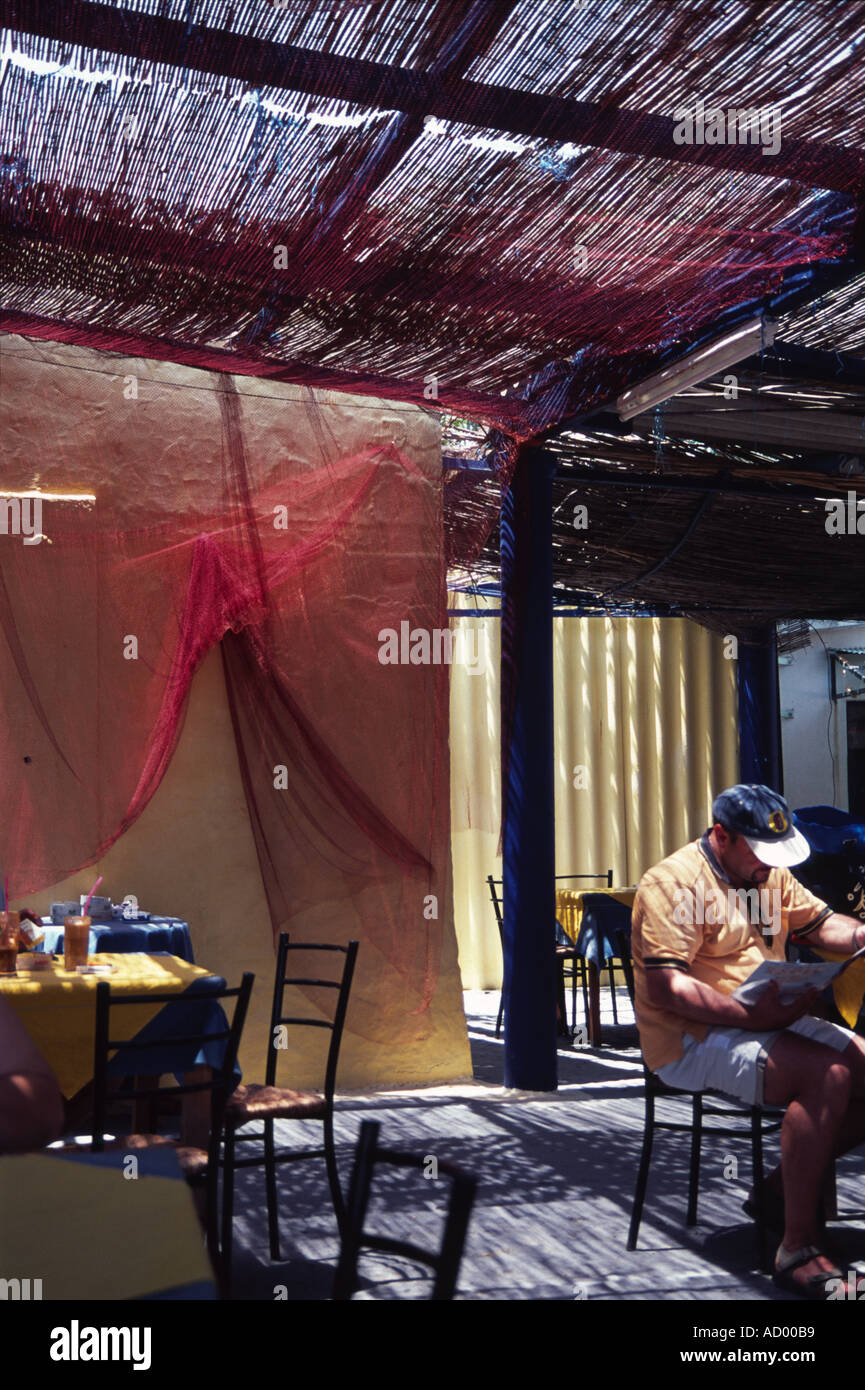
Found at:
[608, 877]
[445, 1261]
[280, 1020]
[190, 1034]
[496, 883]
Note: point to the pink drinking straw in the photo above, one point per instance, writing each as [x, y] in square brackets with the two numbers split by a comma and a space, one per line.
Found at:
[90, 895]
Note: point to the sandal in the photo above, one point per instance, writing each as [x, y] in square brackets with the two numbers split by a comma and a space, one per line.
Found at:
[818, 1287]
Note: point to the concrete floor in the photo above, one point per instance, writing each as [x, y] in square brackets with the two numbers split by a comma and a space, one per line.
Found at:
[556, 1174]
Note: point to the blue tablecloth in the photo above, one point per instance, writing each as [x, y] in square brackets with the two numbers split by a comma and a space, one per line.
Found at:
[602, 917]
[158, 935]
[189, 1014]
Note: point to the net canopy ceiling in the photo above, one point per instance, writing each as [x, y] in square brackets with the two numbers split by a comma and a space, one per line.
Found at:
[475, 205]
[488, 209]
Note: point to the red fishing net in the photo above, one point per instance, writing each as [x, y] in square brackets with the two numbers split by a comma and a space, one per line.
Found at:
[291, 531]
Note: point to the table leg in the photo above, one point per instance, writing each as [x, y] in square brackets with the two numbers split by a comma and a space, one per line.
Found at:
[561, 1010]
[195, 1111]
[594, 1004]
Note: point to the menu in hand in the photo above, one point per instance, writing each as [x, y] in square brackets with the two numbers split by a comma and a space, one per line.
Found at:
[793, 978]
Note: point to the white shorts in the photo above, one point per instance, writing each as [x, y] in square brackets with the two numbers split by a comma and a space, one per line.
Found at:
[734, 1061]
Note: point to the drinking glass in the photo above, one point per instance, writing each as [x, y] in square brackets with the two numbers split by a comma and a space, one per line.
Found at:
[9, 926]
[76, 938]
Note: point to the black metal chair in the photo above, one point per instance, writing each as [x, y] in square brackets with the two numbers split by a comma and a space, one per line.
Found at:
[570, 963]
[752, 1122]
[199, 1166]
[445, 1261]
[269, 1102]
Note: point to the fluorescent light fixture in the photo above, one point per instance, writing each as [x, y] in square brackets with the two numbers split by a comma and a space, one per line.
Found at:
[712, 357]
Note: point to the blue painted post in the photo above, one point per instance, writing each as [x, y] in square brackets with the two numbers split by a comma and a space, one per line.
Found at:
[527, 775]
[759, 711]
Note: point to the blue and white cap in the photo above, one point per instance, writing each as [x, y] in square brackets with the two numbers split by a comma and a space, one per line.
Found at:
[763, 817]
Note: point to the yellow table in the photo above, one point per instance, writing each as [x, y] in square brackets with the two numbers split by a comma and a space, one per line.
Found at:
[569, 906]
[569, 913]
[84, 1230]
[58, 1007]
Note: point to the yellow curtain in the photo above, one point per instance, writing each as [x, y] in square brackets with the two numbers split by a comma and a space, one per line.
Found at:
[645, 735]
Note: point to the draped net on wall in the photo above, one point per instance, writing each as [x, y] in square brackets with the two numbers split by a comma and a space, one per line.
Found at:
[289, 526]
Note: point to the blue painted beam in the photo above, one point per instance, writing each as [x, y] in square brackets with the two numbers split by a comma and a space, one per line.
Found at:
[527, 776]
[759, 711]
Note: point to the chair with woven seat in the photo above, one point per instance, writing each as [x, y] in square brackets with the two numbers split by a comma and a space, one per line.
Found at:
[269, 1102]
[570, 964]
[752, 1122]
[200, 1166]
[445, 1261]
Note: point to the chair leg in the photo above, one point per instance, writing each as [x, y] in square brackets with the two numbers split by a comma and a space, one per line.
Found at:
[694, 1174]
[584, 982]
[643, 1172]
[757, 1166]
[227, 1209]
[613, 991]
[270, 1184]
[333, 1174]
[501, 1014]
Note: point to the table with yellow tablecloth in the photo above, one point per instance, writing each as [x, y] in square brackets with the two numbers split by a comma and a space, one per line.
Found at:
[591, 919]
[58, 1009]
[80, 1228]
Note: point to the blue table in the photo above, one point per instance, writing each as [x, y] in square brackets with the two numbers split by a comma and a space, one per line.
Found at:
[158, 935]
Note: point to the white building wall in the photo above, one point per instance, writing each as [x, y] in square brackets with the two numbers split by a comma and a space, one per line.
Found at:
[817, 731]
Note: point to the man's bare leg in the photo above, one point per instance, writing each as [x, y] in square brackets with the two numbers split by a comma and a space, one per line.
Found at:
[814, 1082]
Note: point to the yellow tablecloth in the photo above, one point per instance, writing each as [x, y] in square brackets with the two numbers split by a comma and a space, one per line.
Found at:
[58, 1008]
[848, 989]
[89, 1232]
[569, 906]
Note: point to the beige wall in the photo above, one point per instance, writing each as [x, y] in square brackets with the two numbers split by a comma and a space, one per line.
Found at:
[645, 706]
[191, 854]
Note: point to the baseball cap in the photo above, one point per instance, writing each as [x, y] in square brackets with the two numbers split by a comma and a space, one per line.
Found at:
[763, 817]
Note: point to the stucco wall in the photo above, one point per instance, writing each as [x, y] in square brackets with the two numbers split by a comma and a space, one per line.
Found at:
[191, 855]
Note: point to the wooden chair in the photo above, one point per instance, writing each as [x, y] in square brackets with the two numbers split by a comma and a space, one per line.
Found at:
[736, 1121]
[199, 1166]
[269, 1102]
[445, 1261]
[570, 964]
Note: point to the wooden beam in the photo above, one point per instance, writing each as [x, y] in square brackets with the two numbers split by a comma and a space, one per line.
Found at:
[746, 421]
[263, 63]
[469, 37]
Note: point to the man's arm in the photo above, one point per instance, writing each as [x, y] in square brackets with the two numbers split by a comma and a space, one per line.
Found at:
[837, 933]
[678, 993]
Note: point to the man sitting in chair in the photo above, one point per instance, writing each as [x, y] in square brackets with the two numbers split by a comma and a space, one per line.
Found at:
[703, 920]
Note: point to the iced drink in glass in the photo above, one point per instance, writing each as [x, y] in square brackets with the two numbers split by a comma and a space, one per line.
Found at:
[76, 938]
[9, 925]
